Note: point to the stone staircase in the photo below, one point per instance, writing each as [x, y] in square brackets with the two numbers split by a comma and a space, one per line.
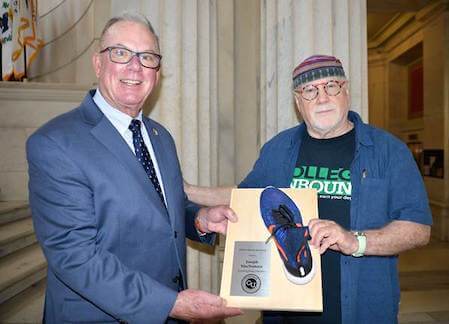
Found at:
[22, 263]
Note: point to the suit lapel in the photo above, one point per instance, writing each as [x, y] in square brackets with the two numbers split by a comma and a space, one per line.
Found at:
[164, 164]
[107, 135]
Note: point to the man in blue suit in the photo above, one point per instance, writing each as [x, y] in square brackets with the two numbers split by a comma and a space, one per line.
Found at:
[107, 198]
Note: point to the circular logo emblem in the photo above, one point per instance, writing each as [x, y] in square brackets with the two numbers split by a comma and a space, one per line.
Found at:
[251, 283]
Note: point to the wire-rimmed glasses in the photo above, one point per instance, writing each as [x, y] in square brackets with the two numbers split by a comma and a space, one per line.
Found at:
[331, 88]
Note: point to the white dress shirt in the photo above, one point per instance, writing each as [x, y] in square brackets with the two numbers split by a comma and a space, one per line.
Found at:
[121, 123]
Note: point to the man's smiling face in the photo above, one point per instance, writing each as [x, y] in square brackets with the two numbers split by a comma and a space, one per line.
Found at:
[325, 116]
[126, 86]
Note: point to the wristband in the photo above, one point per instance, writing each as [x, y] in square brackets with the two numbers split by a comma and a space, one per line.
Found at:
[361, 239]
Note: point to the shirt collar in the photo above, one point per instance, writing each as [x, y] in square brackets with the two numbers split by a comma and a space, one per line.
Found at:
[119, 119]
[363, 135]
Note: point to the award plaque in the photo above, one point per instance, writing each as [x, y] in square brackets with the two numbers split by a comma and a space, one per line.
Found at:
[268, 263]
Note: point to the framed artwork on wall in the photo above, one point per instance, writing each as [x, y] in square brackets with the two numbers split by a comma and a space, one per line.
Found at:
[433, 163]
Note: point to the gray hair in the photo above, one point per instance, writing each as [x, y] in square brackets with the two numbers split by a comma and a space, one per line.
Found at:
[132, 17]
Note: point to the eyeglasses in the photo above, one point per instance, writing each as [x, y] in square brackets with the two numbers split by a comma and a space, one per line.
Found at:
[122, 55]
[310, 92]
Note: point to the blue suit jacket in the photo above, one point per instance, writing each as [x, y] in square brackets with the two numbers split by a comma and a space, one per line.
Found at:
[113, 250]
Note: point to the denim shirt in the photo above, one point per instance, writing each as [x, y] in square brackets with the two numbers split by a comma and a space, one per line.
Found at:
[386, 186]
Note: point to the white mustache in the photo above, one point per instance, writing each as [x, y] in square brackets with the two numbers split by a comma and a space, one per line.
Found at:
[325, 107]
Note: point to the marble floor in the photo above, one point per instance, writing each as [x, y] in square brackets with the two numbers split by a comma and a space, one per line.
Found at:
[424, 277]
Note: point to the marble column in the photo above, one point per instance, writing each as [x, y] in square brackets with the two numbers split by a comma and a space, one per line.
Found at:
[292, 30]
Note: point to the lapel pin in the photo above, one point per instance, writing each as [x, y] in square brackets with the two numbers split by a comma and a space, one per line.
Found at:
[155, 131]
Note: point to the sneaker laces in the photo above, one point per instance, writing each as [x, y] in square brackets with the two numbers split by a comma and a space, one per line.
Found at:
[284, 219]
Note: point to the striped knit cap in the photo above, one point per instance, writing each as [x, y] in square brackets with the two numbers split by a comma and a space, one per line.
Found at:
[317, 67]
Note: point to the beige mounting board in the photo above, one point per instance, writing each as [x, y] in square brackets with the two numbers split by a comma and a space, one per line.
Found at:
[282, 293]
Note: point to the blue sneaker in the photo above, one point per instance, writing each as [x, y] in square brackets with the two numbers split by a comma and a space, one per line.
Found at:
[284, 222]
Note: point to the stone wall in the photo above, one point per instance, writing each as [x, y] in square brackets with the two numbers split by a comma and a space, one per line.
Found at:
[24, 108]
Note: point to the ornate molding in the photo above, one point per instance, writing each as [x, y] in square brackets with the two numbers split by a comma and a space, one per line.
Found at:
[428, 12]
[403, 25]
[395, 24]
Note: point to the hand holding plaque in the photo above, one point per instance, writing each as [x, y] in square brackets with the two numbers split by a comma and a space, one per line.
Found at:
[268, 262]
